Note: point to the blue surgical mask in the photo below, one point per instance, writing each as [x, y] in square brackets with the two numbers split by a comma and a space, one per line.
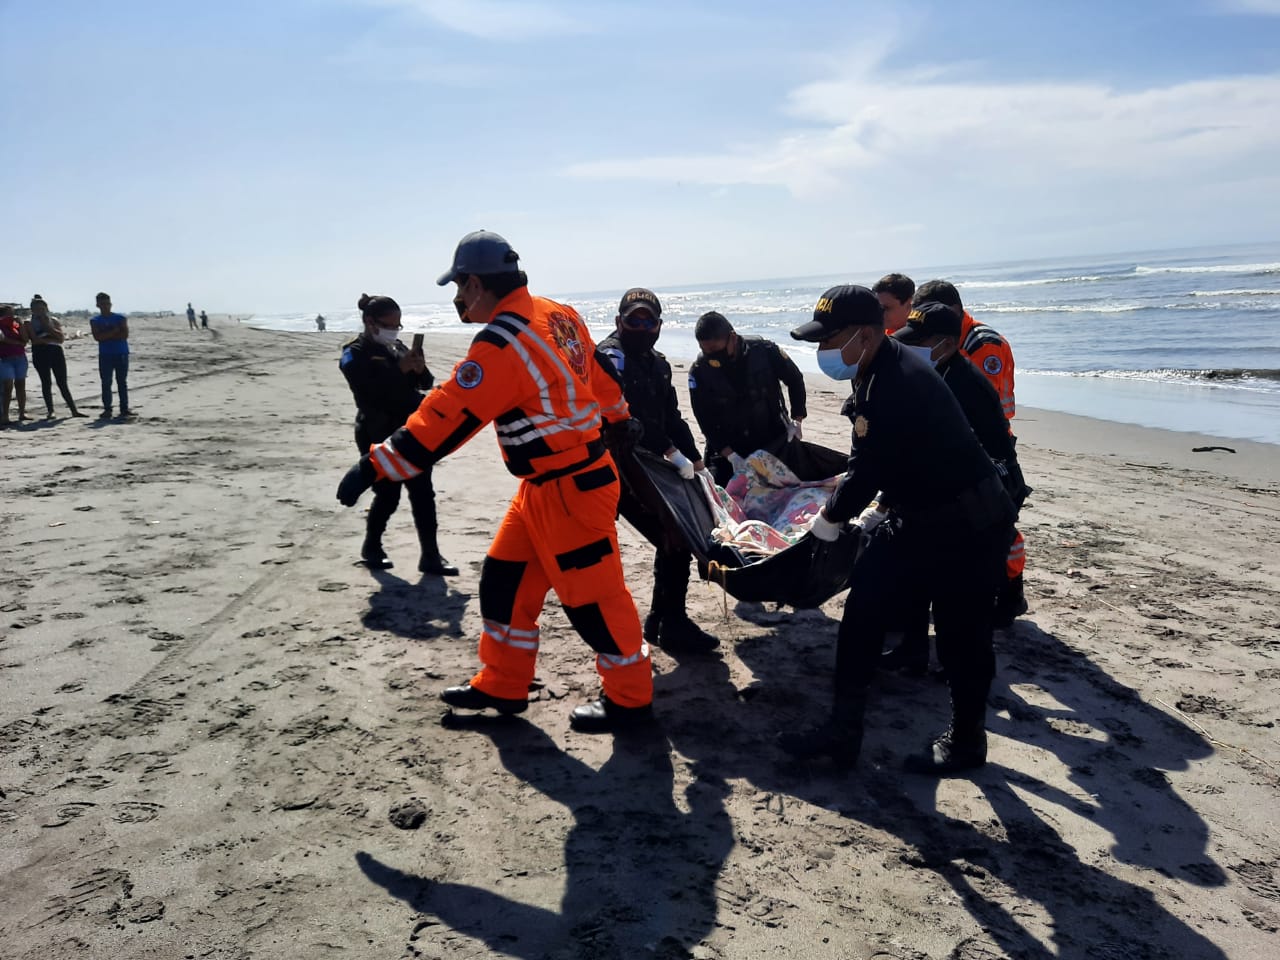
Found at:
[924, 353]
[831, 362]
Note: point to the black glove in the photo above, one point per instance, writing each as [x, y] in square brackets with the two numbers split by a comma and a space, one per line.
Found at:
[624, 434]
[356, 481]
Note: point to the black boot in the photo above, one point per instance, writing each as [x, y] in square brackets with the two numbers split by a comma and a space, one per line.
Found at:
[964, 744]
[467, 697]
[838, 740]
[1011, 603]
[957, 750]
[422, 501]
[679, 634]
[436, 565]
[605, 716]
[372, 555]
[385, 499]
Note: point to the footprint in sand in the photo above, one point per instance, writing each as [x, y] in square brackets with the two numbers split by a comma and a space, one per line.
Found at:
[135, 811]
[68, 812]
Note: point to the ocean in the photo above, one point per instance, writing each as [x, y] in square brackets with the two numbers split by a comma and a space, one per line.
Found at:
[1180, 339]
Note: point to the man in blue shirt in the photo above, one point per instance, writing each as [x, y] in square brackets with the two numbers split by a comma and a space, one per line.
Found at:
[111, 330]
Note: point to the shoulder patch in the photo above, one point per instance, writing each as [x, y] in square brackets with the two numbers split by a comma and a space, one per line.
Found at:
[992, 365]
[860, 426]
[693, 384]
[469, 375]
[348, 355]
[616, 355]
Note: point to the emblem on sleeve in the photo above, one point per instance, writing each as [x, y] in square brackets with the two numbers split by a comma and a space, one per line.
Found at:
[860, 426]
[992, 365]
[469, 375]
[567, 337]
[617, 356]
[693, 384]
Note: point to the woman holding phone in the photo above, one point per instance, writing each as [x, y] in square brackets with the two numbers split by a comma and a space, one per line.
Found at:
[47, 337]
[387, 380]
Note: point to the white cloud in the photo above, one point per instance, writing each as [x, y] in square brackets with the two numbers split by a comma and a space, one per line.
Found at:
[1266, 8]
[510, 20]
[998, 134]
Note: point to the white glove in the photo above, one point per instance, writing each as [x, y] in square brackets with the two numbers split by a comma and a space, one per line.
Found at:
[824, 529]
[681, 463]
[794, 431]
[869, 519]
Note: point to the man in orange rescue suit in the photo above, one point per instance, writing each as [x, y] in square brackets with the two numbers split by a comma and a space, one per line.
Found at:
[533, 372]
[990, 353]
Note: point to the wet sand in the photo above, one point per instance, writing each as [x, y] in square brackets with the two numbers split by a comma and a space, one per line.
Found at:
[222, 740]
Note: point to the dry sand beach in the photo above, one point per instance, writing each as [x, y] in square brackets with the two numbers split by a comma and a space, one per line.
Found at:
[222, 740]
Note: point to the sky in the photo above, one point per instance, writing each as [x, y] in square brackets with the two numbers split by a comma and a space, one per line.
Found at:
[281, 156]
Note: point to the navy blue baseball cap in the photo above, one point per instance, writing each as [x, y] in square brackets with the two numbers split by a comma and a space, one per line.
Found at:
[848, 305]
[932, 319]
[483, 253]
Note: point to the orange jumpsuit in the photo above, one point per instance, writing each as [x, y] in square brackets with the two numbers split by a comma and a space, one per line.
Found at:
[534, 372]
[990, 353]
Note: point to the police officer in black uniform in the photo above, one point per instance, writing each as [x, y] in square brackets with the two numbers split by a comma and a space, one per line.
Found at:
[940, 529]
[933, 332]
[737, 400]
[387, 380]
[646, 383]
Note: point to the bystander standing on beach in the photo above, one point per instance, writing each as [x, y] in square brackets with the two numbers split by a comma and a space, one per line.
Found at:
[47, 337]
[191, 317]
[111, 330]
[204, 320]
[13, 364]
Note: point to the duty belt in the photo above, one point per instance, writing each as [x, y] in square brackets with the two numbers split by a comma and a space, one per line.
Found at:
[979, 507]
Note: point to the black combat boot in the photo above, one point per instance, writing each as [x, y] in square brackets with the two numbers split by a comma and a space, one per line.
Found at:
[423, 505]
[437, 565]
[838, 740]
[372, 555]
[964, 744]
[679, 634]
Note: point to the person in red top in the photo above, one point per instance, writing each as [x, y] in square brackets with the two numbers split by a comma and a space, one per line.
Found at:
[535, 374]
[990, 353]
[13, 364]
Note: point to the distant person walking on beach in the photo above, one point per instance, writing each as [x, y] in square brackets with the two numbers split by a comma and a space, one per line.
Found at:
[191, 316]
[204, 320]
[990, 353]
[387, 380]
[320, 322]
[50, 362]
[13, 364]
[111, 330]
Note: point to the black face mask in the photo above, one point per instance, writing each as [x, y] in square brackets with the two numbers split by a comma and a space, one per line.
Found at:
[460, 307]
[637, 341]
